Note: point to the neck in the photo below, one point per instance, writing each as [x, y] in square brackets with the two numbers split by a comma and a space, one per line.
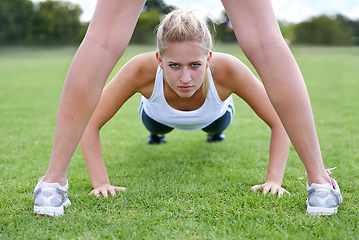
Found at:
[183, 104]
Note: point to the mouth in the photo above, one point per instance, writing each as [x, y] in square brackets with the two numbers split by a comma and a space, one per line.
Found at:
[185, 88]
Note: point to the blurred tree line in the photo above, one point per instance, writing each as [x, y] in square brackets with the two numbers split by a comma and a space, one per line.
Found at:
[145, 30]
[58, 22]
[53, 22]
[320, 30]
[323, 30]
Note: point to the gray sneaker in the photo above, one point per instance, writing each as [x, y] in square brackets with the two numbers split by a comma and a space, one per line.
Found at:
[323, 199]
[50, 199]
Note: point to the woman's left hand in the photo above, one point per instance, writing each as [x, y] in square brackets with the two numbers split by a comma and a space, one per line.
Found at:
[267, 187]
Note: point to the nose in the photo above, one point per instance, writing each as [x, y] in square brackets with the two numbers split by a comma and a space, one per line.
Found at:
[185, 76]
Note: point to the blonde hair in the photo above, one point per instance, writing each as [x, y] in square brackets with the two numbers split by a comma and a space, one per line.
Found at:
[185, 25]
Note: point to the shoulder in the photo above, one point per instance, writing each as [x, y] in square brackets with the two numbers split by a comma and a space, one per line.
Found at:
[225, 66]
[230, 75]
[142, 65]
[139, 72]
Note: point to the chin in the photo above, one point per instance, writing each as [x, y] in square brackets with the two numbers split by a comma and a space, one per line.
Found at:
[185, 95]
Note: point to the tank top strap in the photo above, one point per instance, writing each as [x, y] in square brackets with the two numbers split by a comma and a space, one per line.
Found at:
[158, 87]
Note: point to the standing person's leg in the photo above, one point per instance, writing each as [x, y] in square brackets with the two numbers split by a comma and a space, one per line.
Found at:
[259, 36]
[106, 39]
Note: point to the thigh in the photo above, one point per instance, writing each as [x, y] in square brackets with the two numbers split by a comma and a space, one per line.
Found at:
[113, 23]
[220, 124]
[152, 125]
[253, 21]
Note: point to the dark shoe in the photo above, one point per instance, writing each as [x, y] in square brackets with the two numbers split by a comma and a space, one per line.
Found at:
[218, 137]
[156, 138]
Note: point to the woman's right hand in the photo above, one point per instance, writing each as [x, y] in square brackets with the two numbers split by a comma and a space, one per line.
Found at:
[271, 187]
[106, 189]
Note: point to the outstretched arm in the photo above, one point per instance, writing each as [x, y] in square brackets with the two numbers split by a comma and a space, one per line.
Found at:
[107, 107]
[135, 76]
[232, 76]
[257, 98]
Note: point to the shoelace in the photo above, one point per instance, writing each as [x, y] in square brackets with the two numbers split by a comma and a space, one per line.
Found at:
[329, 171]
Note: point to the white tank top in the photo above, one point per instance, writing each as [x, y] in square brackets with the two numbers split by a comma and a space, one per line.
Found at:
[157, 108]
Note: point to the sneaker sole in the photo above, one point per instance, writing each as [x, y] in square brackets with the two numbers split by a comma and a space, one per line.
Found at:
[323, 211]
[51, 211]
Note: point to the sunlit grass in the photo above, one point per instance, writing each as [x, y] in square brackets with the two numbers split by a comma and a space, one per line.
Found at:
[187, 188]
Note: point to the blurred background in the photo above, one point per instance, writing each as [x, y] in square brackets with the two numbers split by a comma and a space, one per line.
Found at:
[319, 22]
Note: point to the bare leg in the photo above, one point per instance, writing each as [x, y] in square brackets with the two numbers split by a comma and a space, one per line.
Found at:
[259, 36]
[105, 41]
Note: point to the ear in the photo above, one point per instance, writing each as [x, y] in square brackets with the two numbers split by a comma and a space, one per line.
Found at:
[159, 60]
[209, 59]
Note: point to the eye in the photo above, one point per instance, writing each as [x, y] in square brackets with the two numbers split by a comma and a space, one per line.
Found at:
[195, 65]
[174, 65]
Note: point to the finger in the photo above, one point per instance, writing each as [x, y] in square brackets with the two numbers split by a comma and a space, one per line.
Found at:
[94, 192]
[255, 188]
[120, 189]
[274, 190]
[282, 191]
[266, 189]
[104, 193]
[112, 191]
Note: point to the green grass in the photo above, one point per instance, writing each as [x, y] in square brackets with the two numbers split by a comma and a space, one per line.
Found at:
[186, 189]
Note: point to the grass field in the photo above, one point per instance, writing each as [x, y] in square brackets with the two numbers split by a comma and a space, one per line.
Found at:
[186, 189]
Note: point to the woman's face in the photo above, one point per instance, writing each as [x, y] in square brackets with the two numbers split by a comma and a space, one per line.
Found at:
[184, 64]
